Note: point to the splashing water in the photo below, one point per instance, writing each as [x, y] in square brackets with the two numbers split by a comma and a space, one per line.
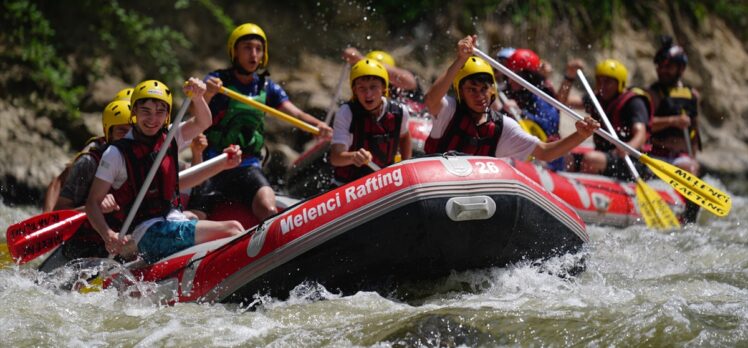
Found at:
[640, 287]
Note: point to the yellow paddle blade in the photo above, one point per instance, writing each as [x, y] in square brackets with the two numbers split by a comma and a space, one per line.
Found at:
[533, 128]
[5, 258]
[94, 285]
[690, 186]
[656, 212]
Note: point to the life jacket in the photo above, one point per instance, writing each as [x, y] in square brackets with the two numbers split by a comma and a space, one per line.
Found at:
[463, 135]
[539, 111]
[674, 101]
[239, 123]
[94, 147]
[613, 110]
[162, 195]
[380, 137]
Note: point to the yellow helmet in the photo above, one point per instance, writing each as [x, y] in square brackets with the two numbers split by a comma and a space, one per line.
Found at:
[115, 113]
[613, 69]
[382, 57]
[473, 66]
[370, 67]
[123, 94]
[244, 30]
[152, 89]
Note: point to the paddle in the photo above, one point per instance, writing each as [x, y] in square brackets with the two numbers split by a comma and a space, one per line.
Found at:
[40, 234]
[36, 236]
[338, 89]
[654, 210]
[272, 111]
[687, 184]
[280, 115]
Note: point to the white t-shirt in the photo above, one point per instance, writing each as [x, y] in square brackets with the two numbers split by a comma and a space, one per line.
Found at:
[514, 142]
[112, 169]
[341, 128]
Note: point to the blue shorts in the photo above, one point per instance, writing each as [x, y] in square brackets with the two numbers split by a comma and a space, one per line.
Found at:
[165, 238]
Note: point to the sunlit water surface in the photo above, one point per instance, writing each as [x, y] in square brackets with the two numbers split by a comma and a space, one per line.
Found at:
[640, 288]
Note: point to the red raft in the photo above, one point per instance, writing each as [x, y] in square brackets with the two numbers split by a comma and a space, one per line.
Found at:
[417, 220]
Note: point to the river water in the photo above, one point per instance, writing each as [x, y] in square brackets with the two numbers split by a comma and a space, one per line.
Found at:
[684, 288]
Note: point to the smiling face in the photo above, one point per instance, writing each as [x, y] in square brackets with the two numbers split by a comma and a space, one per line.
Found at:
[476, 95]
[369, 91]
[250, 53]
[150, 115]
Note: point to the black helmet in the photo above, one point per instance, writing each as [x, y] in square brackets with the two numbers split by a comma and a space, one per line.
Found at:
[669, 52]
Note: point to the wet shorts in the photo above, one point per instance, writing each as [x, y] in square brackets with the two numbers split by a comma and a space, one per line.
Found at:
[237, 184]
[165, 238]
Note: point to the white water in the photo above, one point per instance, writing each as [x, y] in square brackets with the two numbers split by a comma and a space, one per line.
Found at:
[640, 288]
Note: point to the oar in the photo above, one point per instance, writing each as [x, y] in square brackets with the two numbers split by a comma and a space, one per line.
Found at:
[272, 111]
[338, 89]
[654, 210]
[687, 184]
[40, 234]
[36, 236]
[687, 138]
[280, 115]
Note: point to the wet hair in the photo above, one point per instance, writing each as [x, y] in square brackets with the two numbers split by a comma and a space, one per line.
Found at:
[369, 77]
[142, 101]
[249, 37]
[481, 78]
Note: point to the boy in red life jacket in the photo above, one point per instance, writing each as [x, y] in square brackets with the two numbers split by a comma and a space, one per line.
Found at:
[630, 113]
[160, 229]
[467, 124]
[370, 127]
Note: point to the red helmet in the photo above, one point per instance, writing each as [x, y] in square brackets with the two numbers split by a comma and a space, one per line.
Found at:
[523, 59]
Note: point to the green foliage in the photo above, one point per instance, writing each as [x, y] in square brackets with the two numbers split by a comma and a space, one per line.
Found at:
[30, 34]
[153, 47]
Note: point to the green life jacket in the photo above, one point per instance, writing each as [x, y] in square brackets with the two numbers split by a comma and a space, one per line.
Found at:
[241, 125]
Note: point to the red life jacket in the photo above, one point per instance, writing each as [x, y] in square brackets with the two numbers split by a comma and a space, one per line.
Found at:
[614, 111]
[162, 195]
[463, 135]
[381, 138]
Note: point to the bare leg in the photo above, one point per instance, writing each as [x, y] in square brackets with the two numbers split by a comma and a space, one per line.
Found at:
[206, 230]
[263, 204]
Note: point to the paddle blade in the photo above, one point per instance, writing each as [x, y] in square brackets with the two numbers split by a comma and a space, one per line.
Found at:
[5, 258]
[654, 210]
[28, 245]
[690, 186]
[36, 223]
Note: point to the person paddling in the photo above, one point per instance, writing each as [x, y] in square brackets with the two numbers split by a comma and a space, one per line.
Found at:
[675, 126]
[630, 113]
[160, 227]
[467, 124]
[237, 123]
[370, 127]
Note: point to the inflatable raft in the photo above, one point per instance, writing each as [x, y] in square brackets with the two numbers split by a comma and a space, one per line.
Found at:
[596, 198]
[417, 220]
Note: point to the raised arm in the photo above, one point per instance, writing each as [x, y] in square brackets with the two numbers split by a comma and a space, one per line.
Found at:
[195, 90]
[433, 98]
